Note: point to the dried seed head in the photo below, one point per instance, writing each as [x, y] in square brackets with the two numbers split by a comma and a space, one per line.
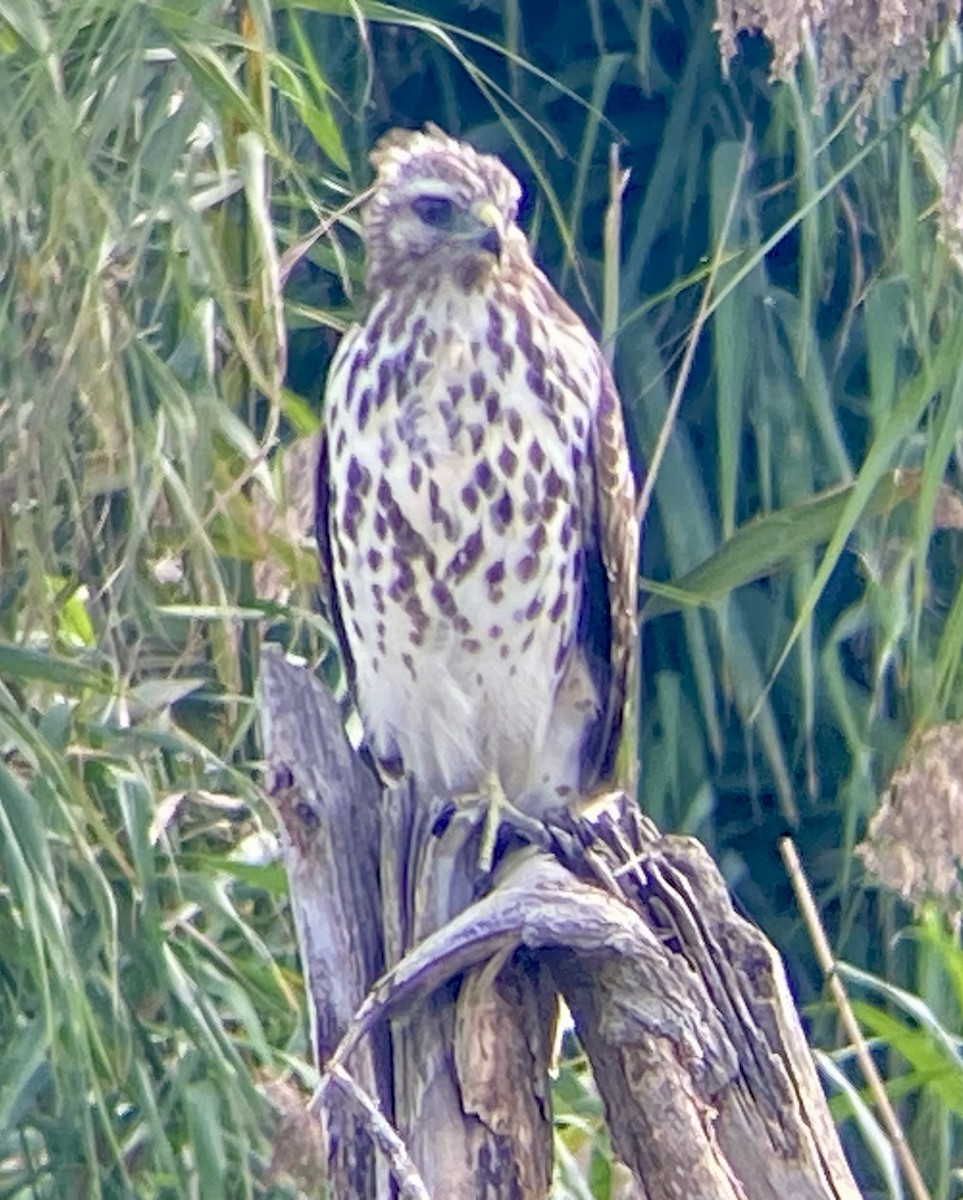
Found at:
[915, 842]
[860, 45]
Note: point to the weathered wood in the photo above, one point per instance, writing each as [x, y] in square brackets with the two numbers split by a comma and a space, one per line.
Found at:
[327, 805]
[471, 1060]
[681, 1004]
[725, 1102]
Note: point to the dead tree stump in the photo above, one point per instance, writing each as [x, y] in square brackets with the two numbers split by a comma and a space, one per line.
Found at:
[433, 1009]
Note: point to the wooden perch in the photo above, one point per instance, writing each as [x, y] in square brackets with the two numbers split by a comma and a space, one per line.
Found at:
[433, 1009]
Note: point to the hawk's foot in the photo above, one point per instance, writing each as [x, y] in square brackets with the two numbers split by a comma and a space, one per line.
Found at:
[499, 812]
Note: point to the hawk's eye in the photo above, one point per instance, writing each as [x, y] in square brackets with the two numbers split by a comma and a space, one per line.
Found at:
[437, 211]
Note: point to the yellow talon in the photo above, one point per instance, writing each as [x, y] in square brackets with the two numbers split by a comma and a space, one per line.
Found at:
[499, 811]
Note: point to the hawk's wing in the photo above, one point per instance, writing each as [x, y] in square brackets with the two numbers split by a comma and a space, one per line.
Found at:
[322, 533]
[608, 620]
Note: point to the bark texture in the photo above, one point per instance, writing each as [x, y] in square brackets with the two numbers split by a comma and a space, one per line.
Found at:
[439, 1003]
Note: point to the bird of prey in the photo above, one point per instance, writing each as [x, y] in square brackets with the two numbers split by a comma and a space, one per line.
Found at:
[476, 509]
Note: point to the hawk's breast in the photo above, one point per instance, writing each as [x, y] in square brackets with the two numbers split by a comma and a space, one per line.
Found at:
[457, 437]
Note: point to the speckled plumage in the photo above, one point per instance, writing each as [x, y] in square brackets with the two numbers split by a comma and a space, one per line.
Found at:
[476, 509]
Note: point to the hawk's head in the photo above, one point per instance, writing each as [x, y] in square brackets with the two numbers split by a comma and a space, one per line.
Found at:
[438, 205]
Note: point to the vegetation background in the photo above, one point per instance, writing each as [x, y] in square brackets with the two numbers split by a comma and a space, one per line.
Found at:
[789, 269]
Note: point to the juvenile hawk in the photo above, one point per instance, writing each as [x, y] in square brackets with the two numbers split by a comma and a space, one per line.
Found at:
[476, 508]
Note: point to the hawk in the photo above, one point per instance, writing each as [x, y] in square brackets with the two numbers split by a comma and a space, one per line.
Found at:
[476, 510]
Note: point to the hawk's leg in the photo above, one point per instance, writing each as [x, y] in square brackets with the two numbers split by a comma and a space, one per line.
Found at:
[499, 811]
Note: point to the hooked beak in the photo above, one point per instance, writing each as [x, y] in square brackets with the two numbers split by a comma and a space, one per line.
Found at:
[490, 236]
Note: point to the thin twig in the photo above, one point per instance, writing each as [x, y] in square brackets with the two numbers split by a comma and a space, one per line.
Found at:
[706, 305]
[410, 1184]
[612, 233]
[293, 255]
[284, 265]
[827, 962]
